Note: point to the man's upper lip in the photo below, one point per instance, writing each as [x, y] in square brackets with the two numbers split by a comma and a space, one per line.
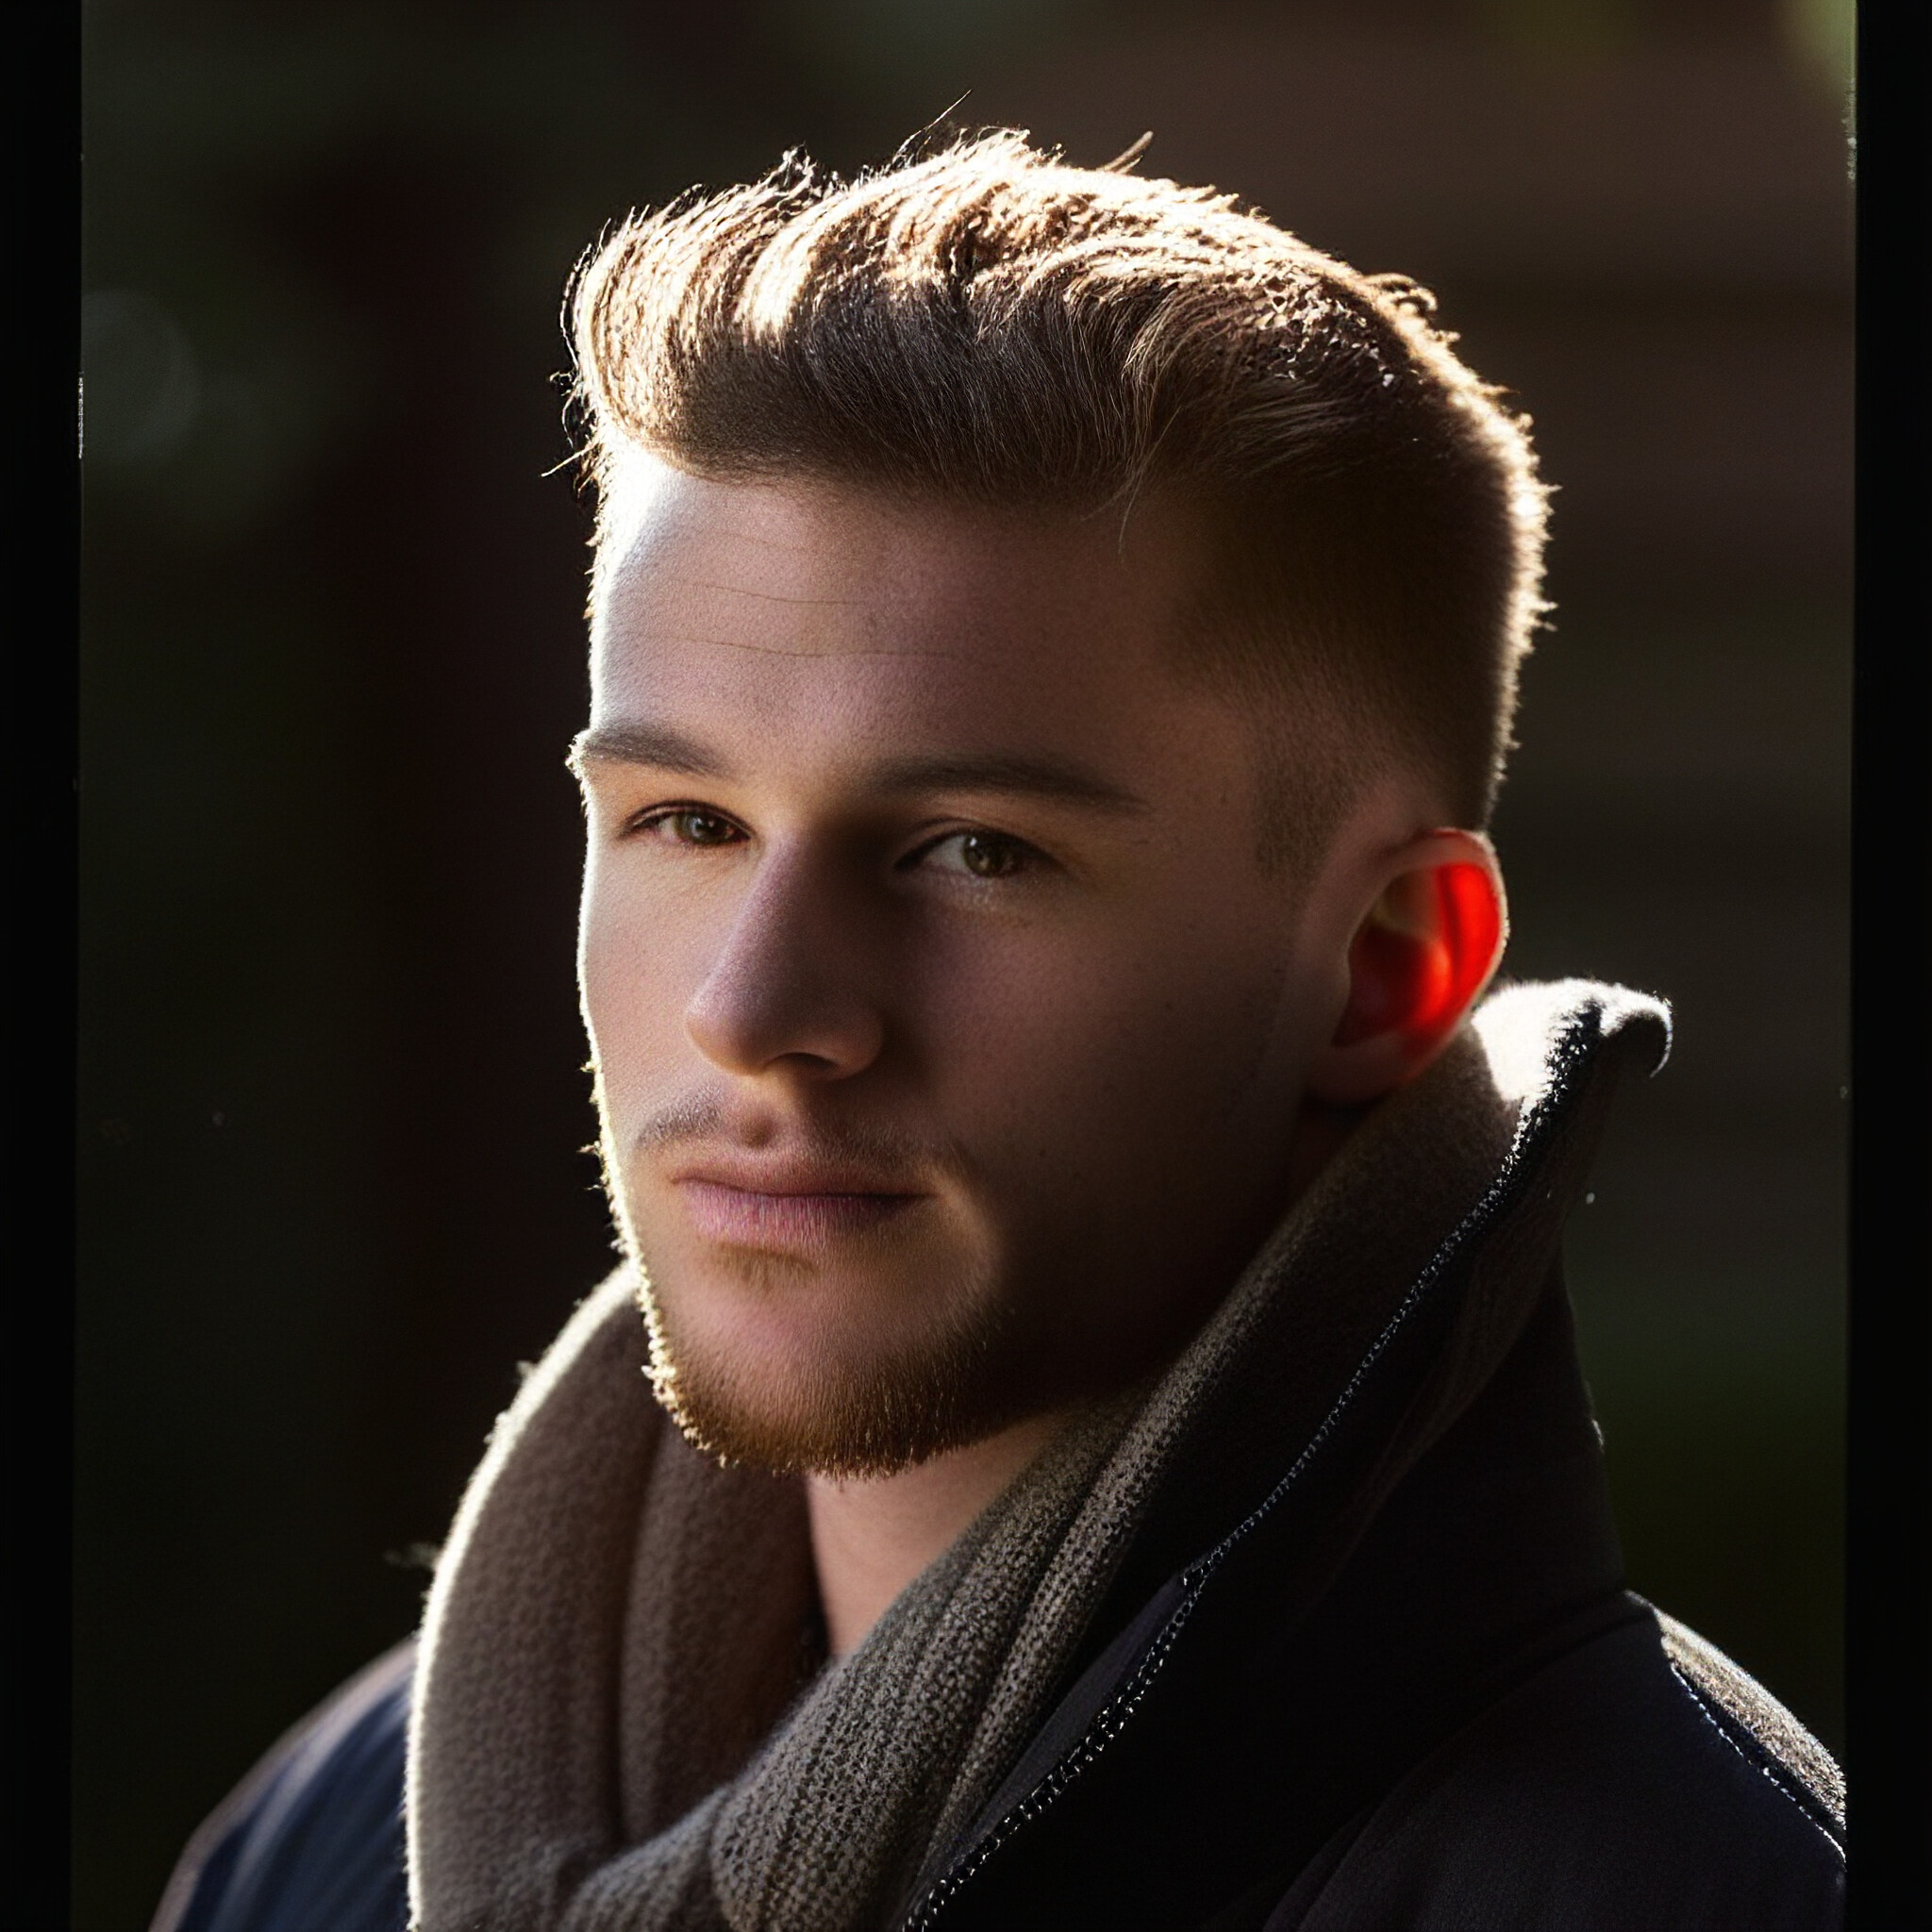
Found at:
[766, 1173]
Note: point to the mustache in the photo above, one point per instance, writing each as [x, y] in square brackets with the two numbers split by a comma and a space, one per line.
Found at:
[878, 1145]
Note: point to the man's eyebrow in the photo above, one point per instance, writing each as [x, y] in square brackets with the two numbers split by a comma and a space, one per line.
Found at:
[646, 745]
[1013, 773]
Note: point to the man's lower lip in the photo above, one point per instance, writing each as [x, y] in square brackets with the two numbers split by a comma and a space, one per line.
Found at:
[744, 1219]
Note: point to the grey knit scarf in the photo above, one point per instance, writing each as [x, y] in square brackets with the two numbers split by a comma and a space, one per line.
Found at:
[608, 1728]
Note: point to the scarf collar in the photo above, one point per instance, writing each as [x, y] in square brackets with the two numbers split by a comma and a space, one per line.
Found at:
[609, 1727]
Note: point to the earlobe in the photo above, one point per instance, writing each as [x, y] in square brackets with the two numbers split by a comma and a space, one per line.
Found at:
[1418, 962]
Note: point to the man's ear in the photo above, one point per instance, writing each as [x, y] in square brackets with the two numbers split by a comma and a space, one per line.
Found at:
[1418, 962]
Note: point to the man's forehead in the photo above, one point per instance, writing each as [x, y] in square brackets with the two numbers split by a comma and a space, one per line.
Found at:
[802, 569]
[781, 634]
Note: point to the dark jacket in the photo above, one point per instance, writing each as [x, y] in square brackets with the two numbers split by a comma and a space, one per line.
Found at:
[1442, 1711]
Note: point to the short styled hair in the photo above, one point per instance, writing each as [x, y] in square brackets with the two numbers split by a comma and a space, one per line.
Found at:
[989, 326]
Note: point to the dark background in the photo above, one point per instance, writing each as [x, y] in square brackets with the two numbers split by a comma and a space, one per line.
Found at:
[332, 1107]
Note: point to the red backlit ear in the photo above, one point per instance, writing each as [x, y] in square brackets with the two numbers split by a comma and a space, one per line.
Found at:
[1418, 962]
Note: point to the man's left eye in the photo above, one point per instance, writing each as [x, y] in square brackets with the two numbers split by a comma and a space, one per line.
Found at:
[983, 854]
[691, 824]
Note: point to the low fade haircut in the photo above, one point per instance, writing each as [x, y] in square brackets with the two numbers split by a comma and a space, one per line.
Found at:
[987, 327]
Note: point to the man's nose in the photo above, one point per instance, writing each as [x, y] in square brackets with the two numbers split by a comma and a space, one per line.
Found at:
[791, 987]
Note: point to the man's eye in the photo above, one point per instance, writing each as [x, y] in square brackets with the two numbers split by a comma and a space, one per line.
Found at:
[690, 824]
[983, 854]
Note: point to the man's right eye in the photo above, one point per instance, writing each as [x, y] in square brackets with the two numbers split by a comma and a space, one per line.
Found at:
[688, 825]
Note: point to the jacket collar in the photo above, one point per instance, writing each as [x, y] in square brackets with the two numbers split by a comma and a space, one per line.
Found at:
[1380, 1488]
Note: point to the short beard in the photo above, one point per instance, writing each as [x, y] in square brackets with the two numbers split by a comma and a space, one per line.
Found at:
[838, 1414]
[970, 1370]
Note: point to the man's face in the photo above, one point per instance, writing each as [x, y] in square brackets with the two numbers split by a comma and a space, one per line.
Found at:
[949, 1031]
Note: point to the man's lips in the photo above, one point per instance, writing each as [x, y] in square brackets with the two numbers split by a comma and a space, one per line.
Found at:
[790, 1205]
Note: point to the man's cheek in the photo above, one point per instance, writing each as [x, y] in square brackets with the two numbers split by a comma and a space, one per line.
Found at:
[633, 1002]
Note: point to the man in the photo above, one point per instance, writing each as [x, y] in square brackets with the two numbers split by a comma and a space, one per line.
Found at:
[1119, 1454]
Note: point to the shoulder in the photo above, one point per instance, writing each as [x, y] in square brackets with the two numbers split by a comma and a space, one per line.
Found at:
[312, 1841]
[1642, 1778]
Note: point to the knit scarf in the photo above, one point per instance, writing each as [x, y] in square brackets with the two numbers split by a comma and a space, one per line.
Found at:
[614, 1724]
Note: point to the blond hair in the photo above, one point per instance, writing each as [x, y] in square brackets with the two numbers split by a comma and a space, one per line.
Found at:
[987, 325]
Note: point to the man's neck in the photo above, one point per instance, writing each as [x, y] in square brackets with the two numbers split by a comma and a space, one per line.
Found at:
[871, 1537]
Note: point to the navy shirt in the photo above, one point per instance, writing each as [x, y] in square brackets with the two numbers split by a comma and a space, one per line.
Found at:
[312, 1842]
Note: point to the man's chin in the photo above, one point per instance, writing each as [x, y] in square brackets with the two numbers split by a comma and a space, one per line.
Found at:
[801, 1383]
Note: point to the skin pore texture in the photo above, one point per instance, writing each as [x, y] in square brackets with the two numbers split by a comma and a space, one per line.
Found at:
[955, 1046]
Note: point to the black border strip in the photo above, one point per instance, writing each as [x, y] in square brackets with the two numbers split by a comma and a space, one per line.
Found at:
[1888, 1513]
[40, 341]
